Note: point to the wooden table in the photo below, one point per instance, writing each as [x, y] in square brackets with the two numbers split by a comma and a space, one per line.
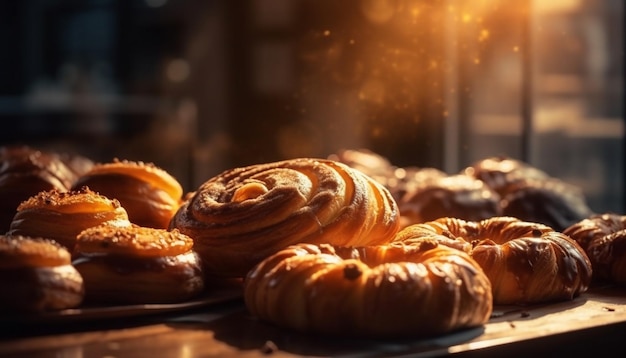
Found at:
[592, 323]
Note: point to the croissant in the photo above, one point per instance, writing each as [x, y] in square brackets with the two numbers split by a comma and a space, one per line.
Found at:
[149, 194]
[243, 215]
[525, 262]
[36, 275]
[603, 237]
[386, 291]
[62, 215]
[137, 265]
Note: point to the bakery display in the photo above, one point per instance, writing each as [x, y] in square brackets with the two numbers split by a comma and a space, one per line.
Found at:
[526, 262]
[387, 291]
[603, 237]
[62, 215]
[245, 214]
[458, 196]
[137, 265]
[149, 194]
[36, 275]
[25, 171]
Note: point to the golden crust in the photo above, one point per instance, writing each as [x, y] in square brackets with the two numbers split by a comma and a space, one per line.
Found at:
[375, 291]
[21, 251]
[61, 216]
[149, 194]
[526, 262]
[132, 241]
[243, 215]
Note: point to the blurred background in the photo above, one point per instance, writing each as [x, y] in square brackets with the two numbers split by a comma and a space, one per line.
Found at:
[200, 86]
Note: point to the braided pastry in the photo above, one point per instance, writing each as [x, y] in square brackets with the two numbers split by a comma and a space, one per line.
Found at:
[386, 291]
[603, 237]
[525, 262]
[149, 194]
[243, 215]
[36, 275]
[61, 216]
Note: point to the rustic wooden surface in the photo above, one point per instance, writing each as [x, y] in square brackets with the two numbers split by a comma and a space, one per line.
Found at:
[593, 322]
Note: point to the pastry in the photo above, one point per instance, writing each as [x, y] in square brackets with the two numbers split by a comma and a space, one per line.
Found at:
[36, 275]
[26, 171]
[500, 172]
[386, 291]
[137, 265]
[62, 215]
[149, 194]
[525, 262]
[459, 196]
[603, 237]
[552, 202]
[243, 215]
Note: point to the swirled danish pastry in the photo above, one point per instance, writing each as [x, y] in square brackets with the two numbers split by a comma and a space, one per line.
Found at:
[243, 215]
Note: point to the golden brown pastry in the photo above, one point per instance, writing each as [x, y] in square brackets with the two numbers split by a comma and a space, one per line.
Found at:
[387, 291]
[459, 196]
[137, 265]
[500, 172]
[525, 262]
[149, 194]
[36, 275]
[62, 215]
[26, 171]
[243, 215]
[603, 237]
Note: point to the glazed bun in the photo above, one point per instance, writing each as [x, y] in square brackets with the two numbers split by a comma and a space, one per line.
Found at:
[62, 215]
[36, 275]
[243, 215]
[137, 265]
[525, 262]
[26, 171]
[149, 194]
[603, 237]
[388, 291]
[500, 172]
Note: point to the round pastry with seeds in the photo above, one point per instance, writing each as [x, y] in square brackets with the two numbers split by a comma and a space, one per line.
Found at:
[137, 265]
[62, 215]
[36, 275]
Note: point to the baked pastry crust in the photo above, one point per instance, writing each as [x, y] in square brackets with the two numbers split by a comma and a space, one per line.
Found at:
[36, 275]
[387, 291]
[243, 215]
[149, 194]
[603, 237]
[137, 265]
[62, 215]
[525, 262]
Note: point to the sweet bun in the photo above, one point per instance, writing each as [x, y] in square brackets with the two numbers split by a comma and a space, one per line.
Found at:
[243, 215]
[36, 275]
[500, 172]
[525, 262]
[26, 171]
[137, 265]
[387, 291]
[458, 196]
[603, 237]
[149, 194]
[62, 215]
